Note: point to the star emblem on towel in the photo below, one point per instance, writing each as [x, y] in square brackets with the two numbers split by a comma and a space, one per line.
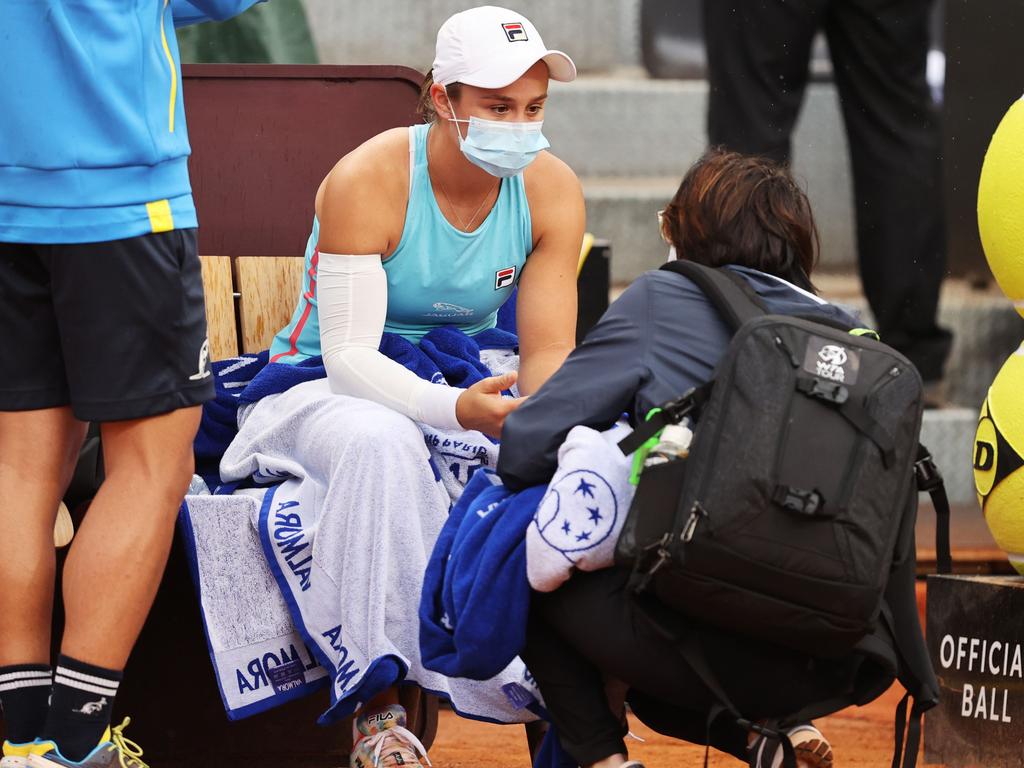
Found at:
[595, 514]
[585, 536]
[566, 527]
[585, 488]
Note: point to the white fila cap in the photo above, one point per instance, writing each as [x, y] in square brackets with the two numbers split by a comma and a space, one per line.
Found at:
[491, 47]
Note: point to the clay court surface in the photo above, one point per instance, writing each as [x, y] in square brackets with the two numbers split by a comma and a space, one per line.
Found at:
[861, 737]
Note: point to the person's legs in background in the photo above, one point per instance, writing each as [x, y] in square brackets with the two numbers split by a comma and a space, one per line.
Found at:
[758, 55]
[879, 51]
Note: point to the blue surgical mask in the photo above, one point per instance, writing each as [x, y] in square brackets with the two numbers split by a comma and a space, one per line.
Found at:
[501, 148]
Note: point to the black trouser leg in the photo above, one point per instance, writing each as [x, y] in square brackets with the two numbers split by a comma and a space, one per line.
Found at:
[574, 693]
[879, 51]
[590, 626]
[758, 54]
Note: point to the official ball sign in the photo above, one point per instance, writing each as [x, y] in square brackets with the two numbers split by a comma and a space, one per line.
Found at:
[976, 641]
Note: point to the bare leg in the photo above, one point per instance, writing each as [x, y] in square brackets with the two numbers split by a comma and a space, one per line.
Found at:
[118, 556]
[38, 451]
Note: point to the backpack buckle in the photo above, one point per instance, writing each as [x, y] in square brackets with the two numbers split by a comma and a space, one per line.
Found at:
[693, 399]
[798, 500]
[927, 473]
[829, 391]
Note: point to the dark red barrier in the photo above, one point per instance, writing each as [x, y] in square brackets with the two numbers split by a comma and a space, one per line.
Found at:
[264, 136]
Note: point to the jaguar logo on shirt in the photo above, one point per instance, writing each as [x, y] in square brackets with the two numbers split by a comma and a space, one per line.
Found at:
[503, 278]
[445, 309]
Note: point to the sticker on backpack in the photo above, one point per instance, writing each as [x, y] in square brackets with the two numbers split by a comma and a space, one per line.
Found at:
[828, 360]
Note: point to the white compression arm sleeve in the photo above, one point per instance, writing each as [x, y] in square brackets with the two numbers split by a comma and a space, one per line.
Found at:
[352, 296]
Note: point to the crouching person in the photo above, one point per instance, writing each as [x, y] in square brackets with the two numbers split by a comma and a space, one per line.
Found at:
[662, 338]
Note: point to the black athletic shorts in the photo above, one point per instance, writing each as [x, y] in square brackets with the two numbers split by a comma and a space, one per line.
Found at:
[116, 330]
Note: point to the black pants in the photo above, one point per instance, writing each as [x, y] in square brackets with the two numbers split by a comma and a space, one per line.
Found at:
[591, 628]
[758, 55]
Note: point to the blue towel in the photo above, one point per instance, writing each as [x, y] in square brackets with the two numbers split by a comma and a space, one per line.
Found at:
[476, 596]
[219, 423]
[476, 581]
[444, 354]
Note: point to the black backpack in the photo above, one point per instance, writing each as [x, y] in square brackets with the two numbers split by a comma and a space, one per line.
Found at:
[792, 519]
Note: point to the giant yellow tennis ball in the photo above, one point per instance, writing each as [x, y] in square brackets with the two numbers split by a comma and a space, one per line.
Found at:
[999, 458]
[1001, 204]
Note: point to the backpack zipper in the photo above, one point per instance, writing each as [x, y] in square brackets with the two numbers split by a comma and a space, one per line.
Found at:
[696, 513]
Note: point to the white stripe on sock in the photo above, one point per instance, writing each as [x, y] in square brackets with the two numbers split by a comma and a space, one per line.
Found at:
[28, 674]
[19, 684]
[85, 686]
[87, 678]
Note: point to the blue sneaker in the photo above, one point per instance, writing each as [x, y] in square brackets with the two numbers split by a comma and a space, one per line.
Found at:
[113, 751]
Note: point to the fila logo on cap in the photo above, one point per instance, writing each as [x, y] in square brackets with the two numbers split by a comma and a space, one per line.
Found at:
[504, 278]
[515, 32]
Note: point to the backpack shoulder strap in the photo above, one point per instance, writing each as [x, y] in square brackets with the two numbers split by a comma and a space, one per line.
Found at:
[731, 295]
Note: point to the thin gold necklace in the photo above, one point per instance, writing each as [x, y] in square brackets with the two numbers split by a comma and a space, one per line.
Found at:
[462, 225]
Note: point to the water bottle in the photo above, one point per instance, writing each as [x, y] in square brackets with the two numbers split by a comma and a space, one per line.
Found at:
[673, 445]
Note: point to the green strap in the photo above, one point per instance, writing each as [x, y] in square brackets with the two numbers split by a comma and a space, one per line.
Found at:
[865, 332]
[640, 456]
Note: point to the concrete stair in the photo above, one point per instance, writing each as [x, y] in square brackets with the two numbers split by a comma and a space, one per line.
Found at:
[598, 34]
[631, 139]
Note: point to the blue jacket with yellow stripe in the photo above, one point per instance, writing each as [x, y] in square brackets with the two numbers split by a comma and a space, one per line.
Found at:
[93, 144]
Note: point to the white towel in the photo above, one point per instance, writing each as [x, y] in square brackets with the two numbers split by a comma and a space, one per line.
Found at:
[259, 659]
[580, 517]
[349, 534]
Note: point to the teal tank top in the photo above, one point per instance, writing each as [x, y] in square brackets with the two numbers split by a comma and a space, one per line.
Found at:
[438, 275]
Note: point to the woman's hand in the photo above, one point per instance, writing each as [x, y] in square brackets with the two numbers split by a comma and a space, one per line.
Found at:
[482, 406]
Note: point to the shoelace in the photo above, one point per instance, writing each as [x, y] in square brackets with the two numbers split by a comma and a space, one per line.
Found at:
[377, 742]
[126, 747]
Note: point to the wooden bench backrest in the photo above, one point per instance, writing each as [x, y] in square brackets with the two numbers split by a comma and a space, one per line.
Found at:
[269, 288]
[263, 137]
[266, 287]
[221, 326]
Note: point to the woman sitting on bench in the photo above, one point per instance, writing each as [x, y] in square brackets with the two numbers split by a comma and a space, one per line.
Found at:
[661, 338]
[429, 226]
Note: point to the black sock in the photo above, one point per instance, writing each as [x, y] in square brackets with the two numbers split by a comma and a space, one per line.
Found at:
[25, 699]
[83, 697]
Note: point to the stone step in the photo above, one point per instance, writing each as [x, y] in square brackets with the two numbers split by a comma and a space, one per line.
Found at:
[631, 140]
[949, 434]
[985, 326]
[598, 34]
[624, 210]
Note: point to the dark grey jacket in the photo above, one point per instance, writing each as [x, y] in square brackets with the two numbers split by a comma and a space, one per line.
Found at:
[659, 339]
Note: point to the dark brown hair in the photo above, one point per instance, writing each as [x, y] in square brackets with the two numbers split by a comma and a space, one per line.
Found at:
[747, 211]
[425, 108]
